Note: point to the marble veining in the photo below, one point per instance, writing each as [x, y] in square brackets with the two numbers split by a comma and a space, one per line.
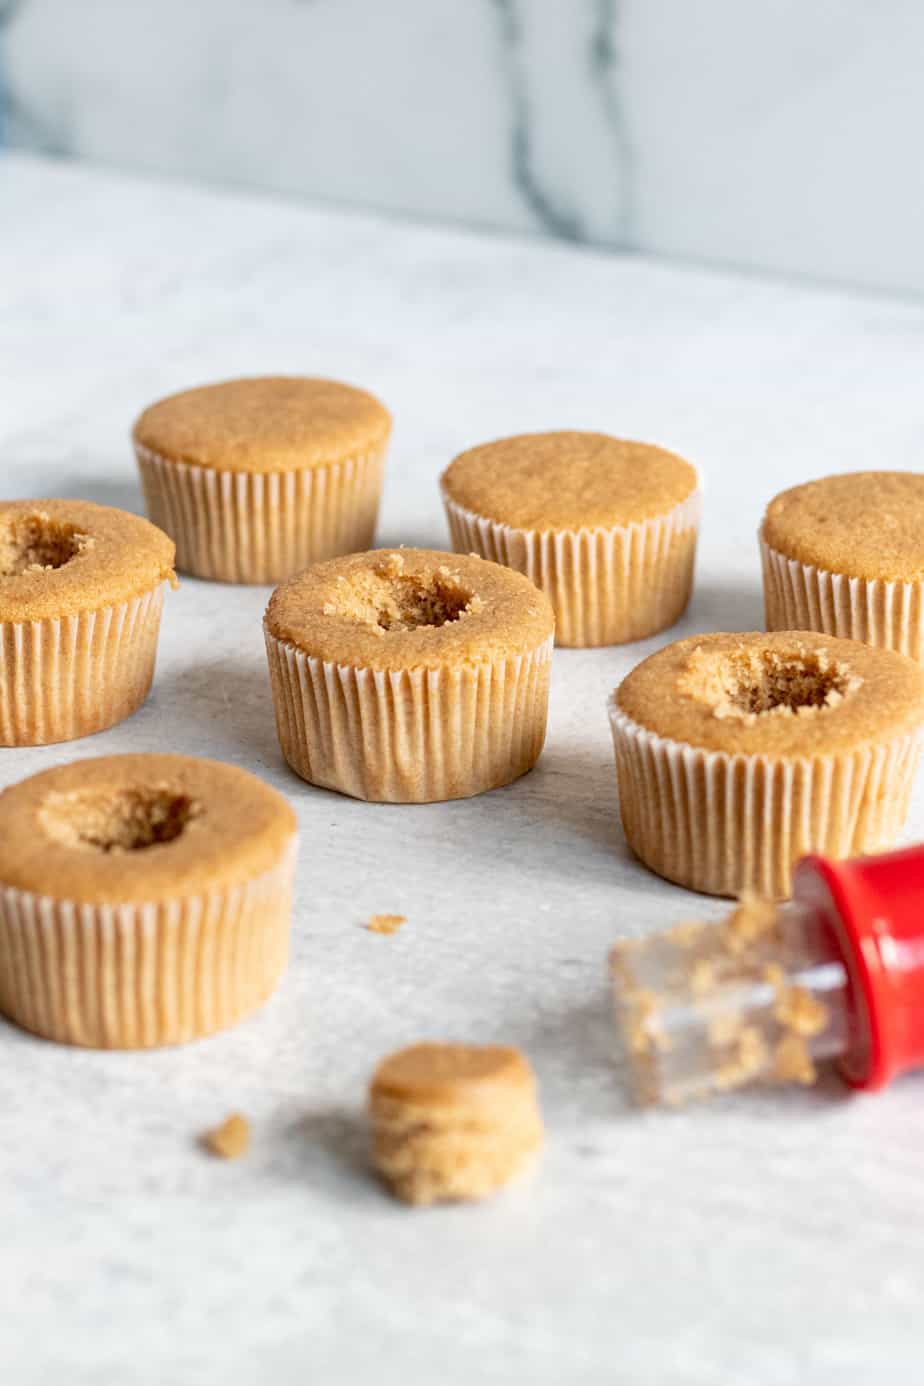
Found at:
[596, 208]
[769, 136]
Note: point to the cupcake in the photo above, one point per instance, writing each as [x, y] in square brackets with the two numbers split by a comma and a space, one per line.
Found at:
[406, 676]
[607, 528]
[737, 754]
[144, 899]
[255, 479]
[844, 555]
[453, 1122]
[81, 593]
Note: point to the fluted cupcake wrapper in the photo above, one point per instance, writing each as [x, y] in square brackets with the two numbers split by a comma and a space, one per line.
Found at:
[798, 596]
[721, 823]
[141, 975]
[607, 586]
[409, 736]
[69, 677]
[262, 527]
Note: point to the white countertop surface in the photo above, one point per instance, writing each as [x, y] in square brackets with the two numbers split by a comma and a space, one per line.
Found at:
[767, 1240]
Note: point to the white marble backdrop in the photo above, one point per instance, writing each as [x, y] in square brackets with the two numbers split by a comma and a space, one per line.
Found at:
[777, 134]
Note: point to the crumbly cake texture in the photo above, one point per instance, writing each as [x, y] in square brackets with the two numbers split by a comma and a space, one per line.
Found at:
[265, 424]
[257, 479]
[707, 969]
[409, 608]
[408, 675]
[65, 557]
[144, 899]
[453, 1122]
[738, 753]
[779, 694]
[568, 480]
[606, 528]
[860, 524]
[843, 555]
[81, 595]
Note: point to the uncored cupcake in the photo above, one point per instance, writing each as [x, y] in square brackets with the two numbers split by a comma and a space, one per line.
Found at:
[845, 555]
[257, 478]
[606, 527]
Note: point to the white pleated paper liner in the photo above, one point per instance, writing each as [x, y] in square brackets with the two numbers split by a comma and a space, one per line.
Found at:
[798, 596]
[722, 823]
[608, 586]
[70, 677]
[141, 975]
[409, 736]
[262, 527]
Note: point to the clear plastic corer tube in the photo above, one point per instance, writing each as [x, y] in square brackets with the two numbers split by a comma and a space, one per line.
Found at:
[762, 996]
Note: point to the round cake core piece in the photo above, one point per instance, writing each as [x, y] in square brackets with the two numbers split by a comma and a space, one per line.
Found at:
[452, 1121]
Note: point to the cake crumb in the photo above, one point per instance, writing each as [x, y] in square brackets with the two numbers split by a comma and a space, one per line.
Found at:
[385, 923]
[792, 1061]
[752, 918]
[329, 609]
[800, 1012]
[392, 566]
[231, 1139]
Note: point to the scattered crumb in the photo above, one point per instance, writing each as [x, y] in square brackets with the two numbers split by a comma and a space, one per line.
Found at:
[329, 609]
[385, 923]
[231, 1139]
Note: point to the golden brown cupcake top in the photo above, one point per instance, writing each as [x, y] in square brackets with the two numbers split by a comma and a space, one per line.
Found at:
[60, 557]
[410, 608]
[135, 828]
[859, 524]
[785, 694]
[446, 1075]
[570, 480]
[265, 424]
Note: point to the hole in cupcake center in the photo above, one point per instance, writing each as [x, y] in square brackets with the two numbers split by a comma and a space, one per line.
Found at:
[754, 683]
[411, 602]
[119, 820]
[36, 544]
[391, 600]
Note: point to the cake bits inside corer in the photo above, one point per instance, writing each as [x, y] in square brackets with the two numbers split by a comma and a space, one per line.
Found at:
[774, 992]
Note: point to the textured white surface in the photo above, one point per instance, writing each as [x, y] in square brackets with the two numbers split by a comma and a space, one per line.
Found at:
[779, 134]
[766, 1240]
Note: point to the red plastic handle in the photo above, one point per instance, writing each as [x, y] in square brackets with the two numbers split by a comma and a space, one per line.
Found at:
[875, 906]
